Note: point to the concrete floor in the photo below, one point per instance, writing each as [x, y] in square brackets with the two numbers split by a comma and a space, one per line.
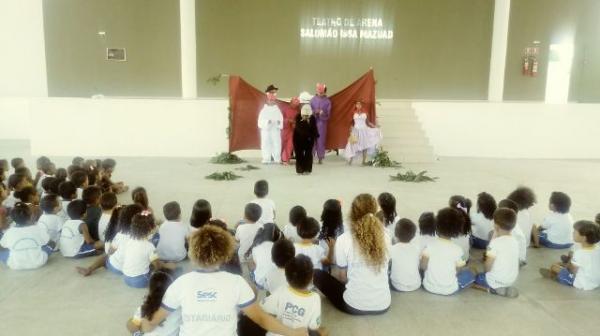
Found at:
[55, 300]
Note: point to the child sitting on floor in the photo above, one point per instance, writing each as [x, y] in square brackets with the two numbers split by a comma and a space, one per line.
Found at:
[502, 257]
[16, 182]
[159, 282]
[173, 234]
[246, 232]
[91, 196]
[108, 202]
[261, 190]
[67, 192]
[297, 214]
[516, 231]
[308, 231]
[404, 275]
[75, 240]
[525, 199]
[29, 196]
[297, 306]
[140, 254]
[442, 260]
[260, 252]
[482, 222]
[80, 180]
[426, 229]
[463, 239]
[50, 220]
[556, 231]
[281, 253]
[388, 215]
[24, 246]
[581, 271]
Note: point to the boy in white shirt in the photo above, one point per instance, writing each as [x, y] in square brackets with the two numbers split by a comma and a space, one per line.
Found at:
[173, 235]
[108, 202]
[404, 275]
[261, 190]
[24, 246]
[482, 222]
[502, 257]
[16, 182]
[308, 230]
[556, 231]
[583, 270]
[67, 192]
[295, 305]
[442, 260]
[50, 220]
[80, 180]
[75, 240]
[245, 233]
[282, 252]
[290, 231]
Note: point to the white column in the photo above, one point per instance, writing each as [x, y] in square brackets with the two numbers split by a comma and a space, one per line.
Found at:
[187, 19]
[499, 47]
[23, 57]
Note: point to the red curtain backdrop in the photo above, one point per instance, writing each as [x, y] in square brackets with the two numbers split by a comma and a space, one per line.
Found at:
[245, 102]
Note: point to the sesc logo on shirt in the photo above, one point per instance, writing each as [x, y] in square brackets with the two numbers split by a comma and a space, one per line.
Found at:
[207, 295]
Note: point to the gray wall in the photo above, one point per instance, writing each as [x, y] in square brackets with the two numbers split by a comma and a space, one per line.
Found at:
[441, 49]
[75, 53]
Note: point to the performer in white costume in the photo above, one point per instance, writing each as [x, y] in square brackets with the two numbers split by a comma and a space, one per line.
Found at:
[270, 123]
[364, 136]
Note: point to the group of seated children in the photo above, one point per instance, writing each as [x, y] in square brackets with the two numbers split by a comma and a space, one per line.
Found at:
[355, 264]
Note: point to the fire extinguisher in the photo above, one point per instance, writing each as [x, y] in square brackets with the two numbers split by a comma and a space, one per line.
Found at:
[534, 66]
[525, 65]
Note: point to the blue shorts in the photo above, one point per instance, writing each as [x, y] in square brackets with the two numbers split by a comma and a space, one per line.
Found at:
[547, 243]
[155, 239]
[479, 243]
[86, 250]
[465, 279]
[481, 280]
[565, 277]
[140, 281]
[4, 254]
[112, 268]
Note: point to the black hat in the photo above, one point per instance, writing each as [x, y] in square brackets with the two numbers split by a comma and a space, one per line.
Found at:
[271, 88]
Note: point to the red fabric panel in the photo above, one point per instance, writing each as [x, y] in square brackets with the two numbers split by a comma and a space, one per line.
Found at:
[342, 109]
[245, 102]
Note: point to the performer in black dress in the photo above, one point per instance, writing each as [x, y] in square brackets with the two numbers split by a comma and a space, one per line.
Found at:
[305, 135]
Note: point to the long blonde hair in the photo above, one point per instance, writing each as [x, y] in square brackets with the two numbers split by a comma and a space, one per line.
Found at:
[367, 230]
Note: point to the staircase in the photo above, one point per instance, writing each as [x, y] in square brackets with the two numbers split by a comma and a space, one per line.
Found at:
[403, 136]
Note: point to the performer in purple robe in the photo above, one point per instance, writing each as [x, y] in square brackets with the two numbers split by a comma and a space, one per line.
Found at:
[321, 106]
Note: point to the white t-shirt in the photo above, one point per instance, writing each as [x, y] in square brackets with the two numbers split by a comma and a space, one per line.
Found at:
[481, 226]
[524, 222]
[316, 253]
[71, 239]
[10, 200]
[588, 263]
[291, 233]
[367, 289]
[518, 234]
[268, 210]
[294, 309]
[261, 255]
[139, 253]
[63, 211]
[465, 245]
[275, 278]
[245, 234]
[444, 258]
[118, 243]
[405, 259]
[171, 246]
[209, 302]
[505, 269]
[52, 224]
[25, 245]
[425, 240]
[559, 228]
[270, 113]
[38, 187]
[168, 327]
[390, 229]
[103, 224]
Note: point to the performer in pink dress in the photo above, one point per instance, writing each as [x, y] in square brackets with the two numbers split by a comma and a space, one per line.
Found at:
[364, 136]
[321, 106]
[287, 135]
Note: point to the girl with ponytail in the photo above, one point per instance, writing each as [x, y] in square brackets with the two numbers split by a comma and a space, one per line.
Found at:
[159, 282]
[361, 286]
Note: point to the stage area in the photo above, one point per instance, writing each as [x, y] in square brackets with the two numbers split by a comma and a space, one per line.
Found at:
[55, 299]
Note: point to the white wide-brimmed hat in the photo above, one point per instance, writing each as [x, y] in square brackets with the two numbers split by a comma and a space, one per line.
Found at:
[305, 97]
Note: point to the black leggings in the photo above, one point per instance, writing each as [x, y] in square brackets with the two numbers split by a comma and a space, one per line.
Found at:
[247, 327]
[334, 289]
